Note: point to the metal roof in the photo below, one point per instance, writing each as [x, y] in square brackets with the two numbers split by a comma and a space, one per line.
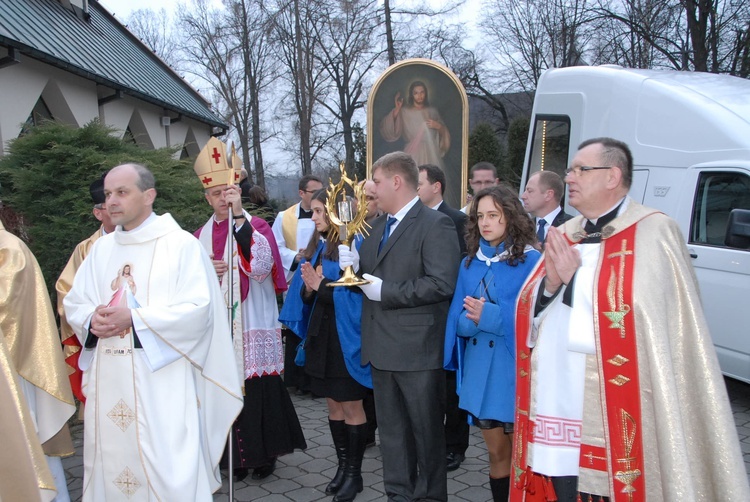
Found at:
[100, 49]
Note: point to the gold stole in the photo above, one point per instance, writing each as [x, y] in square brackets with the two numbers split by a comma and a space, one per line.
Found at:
[289, 227]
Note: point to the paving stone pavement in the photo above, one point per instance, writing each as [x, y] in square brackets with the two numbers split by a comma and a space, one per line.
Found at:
[303, 476]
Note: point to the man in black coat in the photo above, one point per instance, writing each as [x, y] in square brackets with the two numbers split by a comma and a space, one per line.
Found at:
[542, 197]
[431, 190]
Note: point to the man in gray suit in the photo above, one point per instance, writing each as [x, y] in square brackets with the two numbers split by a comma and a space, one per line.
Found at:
[413, 268]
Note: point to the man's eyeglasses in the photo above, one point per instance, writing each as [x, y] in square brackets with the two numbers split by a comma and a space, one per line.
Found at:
[578, 170]
[98, 206]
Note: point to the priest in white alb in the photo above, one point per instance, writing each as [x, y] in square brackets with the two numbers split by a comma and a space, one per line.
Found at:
[619, 396]
[161, 390]
[71, 346]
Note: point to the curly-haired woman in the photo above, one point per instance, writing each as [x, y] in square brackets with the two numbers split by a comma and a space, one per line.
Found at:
[480, 339]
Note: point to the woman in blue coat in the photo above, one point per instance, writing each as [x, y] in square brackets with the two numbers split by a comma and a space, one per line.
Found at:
[480, 337]
[328, 319]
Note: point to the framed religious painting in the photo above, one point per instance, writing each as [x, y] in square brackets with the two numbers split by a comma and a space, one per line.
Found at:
[420, 107]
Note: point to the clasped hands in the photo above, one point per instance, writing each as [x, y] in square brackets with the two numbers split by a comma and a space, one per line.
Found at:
[561, 260]
[473, 308]
[350, 257]
[311, 277]
[110, 321]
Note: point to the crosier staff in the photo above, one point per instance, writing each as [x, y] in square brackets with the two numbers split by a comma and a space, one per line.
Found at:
[230, 315]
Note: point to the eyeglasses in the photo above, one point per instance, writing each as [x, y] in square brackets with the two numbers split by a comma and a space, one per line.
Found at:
[98, 206]
[308, 191]
[578, 170]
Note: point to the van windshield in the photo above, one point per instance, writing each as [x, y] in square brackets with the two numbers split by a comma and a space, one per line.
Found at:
[549, 145]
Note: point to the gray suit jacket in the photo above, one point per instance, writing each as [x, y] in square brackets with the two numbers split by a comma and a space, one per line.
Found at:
[419, 265]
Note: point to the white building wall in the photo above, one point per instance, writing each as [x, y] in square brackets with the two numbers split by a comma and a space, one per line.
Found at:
[74, 100]
[117, 113]
[20, 88]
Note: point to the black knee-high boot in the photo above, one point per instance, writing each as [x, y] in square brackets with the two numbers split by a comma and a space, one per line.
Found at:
[352, 484]
[500, 489]
[340, 443]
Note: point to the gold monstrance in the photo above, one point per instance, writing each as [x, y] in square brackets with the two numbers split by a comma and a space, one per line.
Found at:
[345, 225]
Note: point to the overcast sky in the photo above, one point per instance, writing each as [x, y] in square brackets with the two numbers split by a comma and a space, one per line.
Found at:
[122, 8]
[275, 159]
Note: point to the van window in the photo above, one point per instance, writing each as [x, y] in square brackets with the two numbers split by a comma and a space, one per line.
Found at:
[549, 144]
[718, 193]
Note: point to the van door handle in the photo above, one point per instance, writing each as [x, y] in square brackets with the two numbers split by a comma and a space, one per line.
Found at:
[693, 255]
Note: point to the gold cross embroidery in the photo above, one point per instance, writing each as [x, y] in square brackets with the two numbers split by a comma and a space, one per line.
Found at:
[618, 308]
[121, 415]
[593, 457]
[627, 476]
[127, 482]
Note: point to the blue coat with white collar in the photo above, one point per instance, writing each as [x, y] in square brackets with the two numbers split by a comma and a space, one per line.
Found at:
[484, 354]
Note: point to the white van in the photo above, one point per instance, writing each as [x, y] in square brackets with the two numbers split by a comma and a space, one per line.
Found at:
[690, 137]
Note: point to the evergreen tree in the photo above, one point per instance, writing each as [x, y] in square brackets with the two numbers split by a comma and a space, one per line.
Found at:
[485, 147]
[46, 175]
[518, 133]
[360, 152]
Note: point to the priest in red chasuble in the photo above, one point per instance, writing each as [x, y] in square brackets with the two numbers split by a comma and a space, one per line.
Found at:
[619, 395]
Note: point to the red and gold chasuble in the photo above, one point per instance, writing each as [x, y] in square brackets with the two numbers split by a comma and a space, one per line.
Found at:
[617, 357]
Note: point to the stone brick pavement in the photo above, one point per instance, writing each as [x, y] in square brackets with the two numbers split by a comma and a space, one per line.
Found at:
[302, 476]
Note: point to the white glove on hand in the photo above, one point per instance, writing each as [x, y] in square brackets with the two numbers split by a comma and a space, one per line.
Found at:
[348, 257]
[372, 290]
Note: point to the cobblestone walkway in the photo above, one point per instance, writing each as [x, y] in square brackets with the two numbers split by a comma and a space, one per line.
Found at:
[302, 476]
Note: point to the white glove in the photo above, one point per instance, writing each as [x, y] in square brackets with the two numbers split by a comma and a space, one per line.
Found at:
[372, 290]
[348, 257]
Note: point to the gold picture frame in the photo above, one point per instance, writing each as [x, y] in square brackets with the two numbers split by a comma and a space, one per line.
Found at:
[448, 104]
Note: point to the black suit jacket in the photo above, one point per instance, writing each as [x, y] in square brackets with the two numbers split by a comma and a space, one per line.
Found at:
[561, 218]
[459, 220]
[405, 331]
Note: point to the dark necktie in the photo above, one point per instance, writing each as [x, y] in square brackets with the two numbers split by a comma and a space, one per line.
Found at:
[387, 232]
[540, 230]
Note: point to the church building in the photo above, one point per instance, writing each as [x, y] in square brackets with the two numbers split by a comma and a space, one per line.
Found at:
[72, 61]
